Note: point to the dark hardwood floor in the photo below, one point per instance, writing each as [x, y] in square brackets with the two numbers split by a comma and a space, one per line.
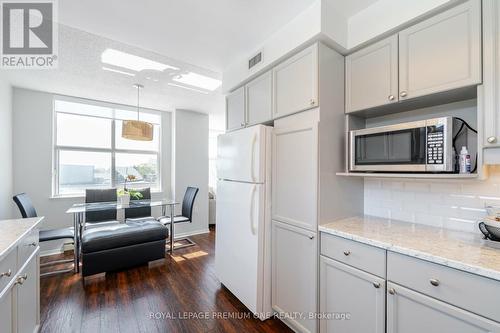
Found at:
[156, 298]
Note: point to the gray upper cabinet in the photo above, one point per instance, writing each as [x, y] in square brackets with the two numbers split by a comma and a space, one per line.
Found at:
[259, 99]
[412, 312]
[372, 75]
[441, 53]
[491, 73]
[345, 289]
[235, 109]
[295, 83]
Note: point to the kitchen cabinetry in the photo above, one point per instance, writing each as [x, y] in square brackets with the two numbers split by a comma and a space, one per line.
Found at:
[412, 312]
[345, 290]
[441, 53]
[294, 279]
[235, 109]
[372, 76]
[295, 83]
[491, 73]
[259, 101]
[6, 315]
[27, 306]
[295, 179]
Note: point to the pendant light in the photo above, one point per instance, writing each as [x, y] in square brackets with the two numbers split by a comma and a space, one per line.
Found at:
[136, 129]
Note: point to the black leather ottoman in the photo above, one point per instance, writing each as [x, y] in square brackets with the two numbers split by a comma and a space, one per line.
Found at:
[122, 245]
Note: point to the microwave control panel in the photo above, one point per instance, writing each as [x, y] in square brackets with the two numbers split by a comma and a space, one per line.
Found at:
[435, 144]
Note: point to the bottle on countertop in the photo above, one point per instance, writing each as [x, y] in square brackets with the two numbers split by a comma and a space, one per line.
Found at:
[464, 161]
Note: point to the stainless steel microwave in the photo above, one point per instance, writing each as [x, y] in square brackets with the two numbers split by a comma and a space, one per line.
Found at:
[418, 146]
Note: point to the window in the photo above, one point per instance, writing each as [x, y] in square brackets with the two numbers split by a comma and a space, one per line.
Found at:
[89, 151]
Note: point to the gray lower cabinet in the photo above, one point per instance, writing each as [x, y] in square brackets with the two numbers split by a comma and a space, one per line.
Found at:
[412, 312]
[351, 300]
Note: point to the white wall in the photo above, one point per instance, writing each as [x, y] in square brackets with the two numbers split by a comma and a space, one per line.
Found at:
[191, 167]
[6, 204]
[32, 158]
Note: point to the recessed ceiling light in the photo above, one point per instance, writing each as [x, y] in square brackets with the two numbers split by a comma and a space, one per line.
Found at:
[117, 71]
[132, 62]
[198, 80]
[192, 89]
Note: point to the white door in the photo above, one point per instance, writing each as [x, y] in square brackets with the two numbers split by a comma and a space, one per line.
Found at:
[295, 83]
[295, 174]
[235, 109]
[239, 243]
[345, 290]
[379, 63]
[241, 155]
[441, 53]
[259, 94]
[6, 314]
[27, 298]
[294, 275]
[412, 312]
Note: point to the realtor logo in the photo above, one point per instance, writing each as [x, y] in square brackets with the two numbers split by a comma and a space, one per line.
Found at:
[29, 34]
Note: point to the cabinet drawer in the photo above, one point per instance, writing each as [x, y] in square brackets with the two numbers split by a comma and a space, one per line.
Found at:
[468, 291]
[365, 257]
[8, 268]
[27, 246]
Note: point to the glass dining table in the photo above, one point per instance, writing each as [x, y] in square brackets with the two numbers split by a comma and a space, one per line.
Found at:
[79, 210]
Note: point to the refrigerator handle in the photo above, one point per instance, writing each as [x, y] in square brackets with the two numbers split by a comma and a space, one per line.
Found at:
[252, 199]
[252, 159]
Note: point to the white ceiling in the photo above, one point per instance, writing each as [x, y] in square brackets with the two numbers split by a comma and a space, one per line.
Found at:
[207, 33]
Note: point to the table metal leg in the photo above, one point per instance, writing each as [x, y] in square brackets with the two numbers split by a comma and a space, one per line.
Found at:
[75, 242]
[172, 208]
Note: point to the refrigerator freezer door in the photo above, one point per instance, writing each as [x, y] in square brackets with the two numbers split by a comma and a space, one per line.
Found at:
[239, 249]
[241, 155]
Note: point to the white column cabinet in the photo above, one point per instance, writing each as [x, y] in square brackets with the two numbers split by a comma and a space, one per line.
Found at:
[259, 99]
[441, 53]
[347, 290]
[372, 75]
[295, 83]
[294, 278]
[412, 312]
[295, 173]
[235, 109]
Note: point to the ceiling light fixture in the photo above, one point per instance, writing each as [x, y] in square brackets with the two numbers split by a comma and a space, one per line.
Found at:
[188, 88]
[132, 62]
[117, 71]
[136, 129]
[198, 80]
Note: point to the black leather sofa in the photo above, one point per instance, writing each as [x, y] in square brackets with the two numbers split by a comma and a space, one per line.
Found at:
[117, 246]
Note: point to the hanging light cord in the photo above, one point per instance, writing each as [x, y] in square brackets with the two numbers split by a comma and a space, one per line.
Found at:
[138, 88]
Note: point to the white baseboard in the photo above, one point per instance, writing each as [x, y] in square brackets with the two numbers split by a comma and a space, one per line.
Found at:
[51, 252]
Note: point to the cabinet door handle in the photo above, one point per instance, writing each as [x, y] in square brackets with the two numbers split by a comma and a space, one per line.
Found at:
[242, 124]
[32, 244]
[20, 280]
[391, 291]
[403, 94]
[6, 274]
[376, 285]
[492, 139]
[391, 97]
[312, 101]
[311, 237]
[346, 253]
[434, 282]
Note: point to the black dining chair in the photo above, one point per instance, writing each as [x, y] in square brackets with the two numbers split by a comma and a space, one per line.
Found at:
[139, 214]
[185, 217]
[27, 210]
[100, 218]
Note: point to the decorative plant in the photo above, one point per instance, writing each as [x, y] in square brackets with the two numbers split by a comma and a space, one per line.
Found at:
[134, 194]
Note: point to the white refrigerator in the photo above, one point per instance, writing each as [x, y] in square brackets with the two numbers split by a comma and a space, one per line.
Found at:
[242, 238]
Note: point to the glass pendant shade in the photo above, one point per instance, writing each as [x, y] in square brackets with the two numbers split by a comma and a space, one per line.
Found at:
[136, 129]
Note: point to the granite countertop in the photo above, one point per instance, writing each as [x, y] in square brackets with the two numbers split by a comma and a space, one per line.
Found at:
[11, 231]
[461, 250]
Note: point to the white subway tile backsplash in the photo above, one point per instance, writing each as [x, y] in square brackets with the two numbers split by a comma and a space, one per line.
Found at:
[452, 204]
